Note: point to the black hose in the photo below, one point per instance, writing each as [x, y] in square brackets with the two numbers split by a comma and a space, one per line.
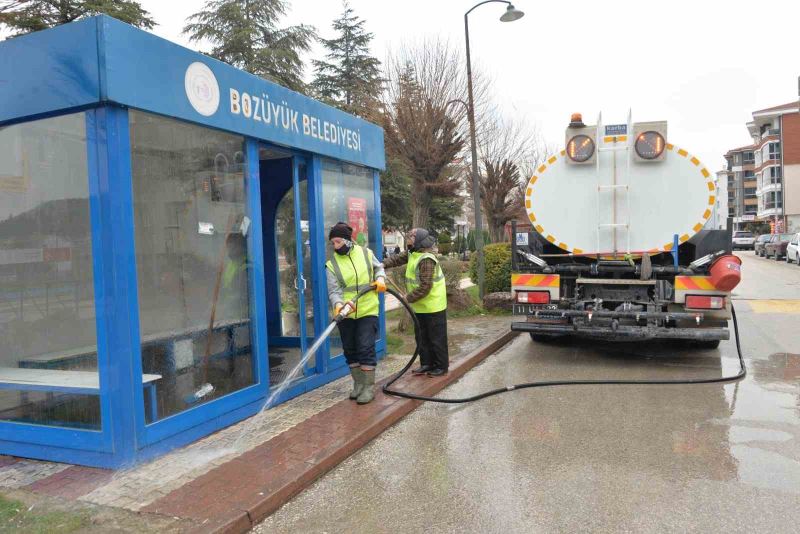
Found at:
[741, 374]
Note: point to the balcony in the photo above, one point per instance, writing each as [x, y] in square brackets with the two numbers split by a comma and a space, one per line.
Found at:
[769, 135]
[769, 211]
[766, 187]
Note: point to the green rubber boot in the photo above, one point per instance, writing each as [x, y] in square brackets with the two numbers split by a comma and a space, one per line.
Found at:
[358, 381]
[368, 387]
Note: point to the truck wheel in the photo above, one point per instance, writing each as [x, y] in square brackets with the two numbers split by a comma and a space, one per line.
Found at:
[541, 338]
[707, 345]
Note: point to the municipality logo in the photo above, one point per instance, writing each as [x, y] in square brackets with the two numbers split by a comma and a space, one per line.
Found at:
[202, 89]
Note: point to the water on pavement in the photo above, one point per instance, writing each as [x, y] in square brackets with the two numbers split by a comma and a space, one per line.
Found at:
[592, 458]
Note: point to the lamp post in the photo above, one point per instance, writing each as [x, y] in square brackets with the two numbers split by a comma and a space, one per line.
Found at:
[510, 15]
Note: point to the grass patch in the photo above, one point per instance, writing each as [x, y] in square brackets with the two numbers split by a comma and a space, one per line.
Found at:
[476, 308]
[396, 313]
[16, 517]
[394, 344]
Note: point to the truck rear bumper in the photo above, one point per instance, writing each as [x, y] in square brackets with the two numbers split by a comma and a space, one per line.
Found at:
[623, 331]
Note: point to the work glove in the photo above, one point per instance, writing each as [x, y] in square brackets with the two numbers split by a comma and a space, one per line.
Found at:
[338, 308]
[379, 285]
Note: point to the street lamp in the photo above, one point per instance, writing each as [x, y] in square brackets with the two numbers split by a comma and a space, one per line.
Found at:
[510, 15]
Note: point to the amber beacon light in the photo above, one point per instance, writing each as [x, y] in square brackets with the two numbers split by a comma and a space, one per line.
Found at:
[649, 145]
[580, 148]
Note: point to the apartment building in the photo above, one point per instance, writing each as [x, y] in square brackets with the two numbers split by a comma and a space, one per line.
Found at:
[720, 211]
[742, 185]
[764, 177]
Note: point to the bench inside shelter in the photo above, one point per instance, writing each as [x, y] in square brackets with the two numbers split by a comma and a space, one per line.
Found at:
[73, 371]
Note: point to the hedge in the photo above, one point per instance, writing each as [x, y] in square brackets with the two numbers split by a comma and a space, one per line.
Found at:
[498, 267]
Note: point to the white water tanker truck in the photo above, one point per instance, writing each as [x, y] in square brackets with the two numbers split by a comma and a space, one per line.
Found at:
[617, 246]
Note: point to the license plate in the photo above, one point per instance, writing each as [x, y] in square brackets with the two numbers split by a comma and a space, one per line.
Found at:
[530, 309]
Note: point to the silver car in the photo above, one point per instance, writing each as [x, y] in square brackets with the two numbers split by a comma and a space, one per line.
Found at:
[743, 240]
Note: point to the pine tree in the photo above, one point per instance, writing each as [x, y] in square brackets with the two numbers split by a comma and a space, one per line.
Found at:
[395, 197]
[244, 33]
[25, 16]
[444, 210]
[350, 79]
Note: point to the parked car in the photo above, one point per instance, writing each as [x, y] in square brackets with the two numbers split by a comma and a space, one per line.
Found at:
[761, 241]
[793, 250]
[743, 240]
[777, 245]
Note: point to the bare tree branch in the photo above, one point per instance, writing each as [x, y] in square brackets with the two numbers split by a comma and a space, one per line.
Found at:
[508, 150]
[425, 132]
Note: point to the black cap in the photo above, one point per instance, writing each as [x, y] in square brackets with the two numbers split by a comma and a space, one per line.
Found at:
[342, 230]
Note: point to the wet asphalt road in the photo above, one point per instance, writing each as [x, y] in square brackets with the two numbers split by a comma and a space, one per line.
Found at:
[693, 458]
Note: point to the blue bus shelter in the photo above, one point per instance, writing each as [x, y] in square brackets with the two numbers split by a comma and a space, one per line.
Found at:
[163, 224]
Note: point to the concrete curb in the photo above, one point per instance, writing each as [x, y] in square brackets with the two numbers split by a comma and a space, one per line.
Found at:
[243, 520]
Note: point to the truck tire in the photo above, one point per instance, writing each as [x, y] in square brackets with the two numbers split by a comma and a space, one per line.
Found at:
[707, 345]
[542, 338]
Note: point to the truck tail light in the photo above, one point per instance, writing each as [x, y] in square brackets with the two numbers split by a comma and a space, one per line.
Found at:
[533, 297]
[698, 302]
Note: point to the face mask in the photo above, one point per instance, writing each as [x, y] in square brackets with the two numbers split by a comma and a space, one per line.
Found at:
[345, 248]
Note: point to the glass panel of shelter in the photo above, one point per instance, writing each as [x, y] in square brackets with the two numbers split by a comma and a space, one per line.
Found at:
[190, 224]
[48, 346]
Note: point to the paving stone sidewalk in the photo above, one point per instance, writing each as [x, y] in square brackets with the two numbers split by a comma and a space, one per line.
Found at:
[234, 477]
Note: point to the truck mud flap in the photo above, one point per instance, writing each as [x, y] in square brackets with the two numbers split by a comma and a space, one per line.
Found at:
[623, 332]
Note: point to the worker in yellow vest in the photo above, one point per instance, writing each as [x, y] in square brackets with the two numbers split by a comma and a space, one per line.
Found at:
[234, 279]
[427, 295]
[351, 269]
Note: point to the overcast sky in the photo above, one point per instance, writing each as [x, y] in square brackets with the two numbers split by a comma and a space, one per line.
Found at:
[704, 66]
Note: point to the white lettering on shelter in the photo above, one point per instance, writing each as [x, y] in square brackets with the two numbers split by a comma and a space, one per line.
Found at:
[280, 115]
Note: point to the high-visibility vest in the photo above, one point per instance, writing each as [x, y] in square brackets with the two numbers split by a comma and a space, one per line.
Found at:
[436, 299]
[231, 271]
[234, 289]
[354, 272]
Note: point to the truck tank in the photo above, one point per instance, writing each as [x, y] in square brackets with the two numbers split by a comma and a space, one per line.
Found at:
[613, 192]
[618, 246]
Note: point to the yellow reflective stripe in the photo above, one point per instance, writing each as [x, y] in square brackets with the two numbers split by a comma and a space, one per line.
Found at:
[337, 272]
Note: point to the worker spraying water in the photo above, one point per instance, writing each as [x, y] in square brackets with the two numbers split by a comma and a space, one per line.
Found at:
[351, 269]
